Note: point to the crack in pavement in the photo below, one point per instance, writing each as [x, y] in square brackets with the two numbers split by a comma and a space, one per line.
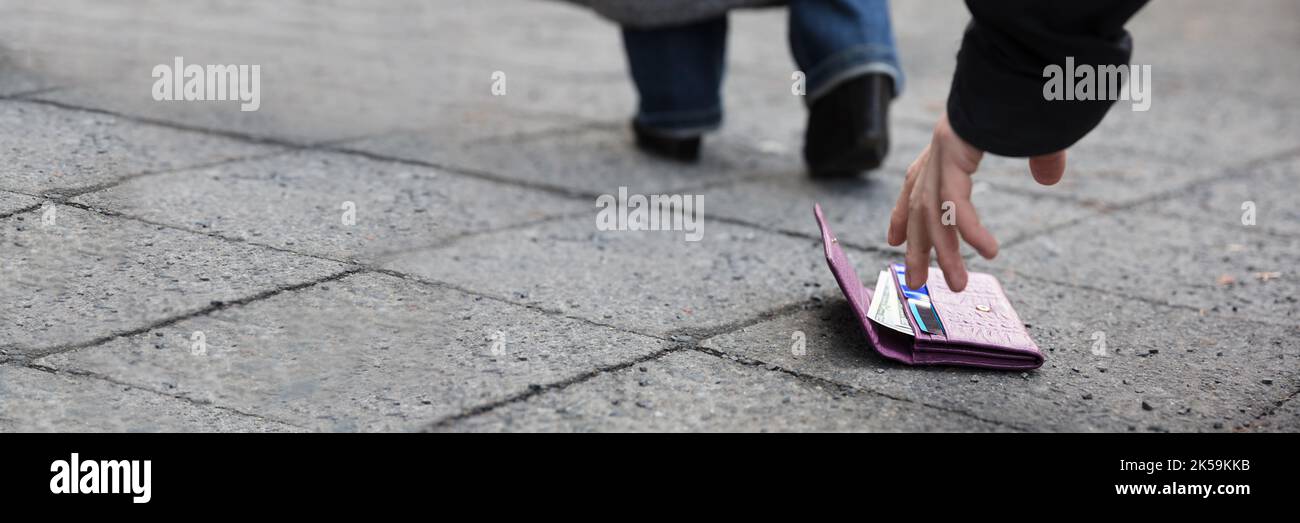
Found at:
[536, 389]
[531, 306]
[552, 189]
[690, 342]
[458, 237]
[1099, 209]
[340, 146]
[209, 234]
[23, 210]
[1143, 299]
[65, 195]
[244, 137]
[214, 306]
[694, 345]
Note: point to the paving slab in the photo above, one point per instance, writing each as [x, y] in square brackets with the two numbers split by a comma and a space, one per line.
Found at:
[1101, 176]
[585, 76]
[1224, 202]
[51, 150]
[36, 401]
[375, 69]
[648, 281]
[480, 119]
[292, 115]
[1183, 40]
[693, 391]
[591, 158]
[365, 353]
[334, 205]
[1213, 128]
[599, 90]
[1224, 269]
[1186, 372]
[86, 276]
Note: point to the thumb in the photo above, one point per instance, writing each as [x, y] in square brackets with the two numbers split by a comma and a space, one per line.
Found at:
[1048, 168]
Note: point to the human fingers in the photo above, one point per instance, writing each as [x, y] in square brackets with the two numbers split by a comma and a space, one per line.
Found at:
[946, 248]
[917, 258]
[898, 218]
[1048, 168]
[973, 232]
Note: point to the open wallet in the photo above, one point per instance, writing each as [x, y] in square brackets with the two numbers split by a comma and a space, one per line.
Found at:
[934, 325]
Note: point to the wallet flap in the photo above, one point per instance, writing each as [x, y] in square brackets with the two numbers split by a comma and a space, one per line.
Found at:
[859, 297]
[888, 343]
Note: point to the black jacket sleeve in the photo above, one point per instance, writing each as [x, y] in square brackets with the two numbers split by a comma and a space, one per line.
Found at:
[996, 102]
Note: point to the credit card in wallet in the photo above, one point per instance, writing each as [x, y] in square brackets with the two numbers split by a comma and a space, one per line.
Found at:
[926, 317]
[918, 303]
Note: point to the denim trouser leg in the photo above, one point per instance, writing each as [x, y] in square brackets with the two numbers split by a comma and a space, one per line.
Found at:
[835, 40]
[678, 73]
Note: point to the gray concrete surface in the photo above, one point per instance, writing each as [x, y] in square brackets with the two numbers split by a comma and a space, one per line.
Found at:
[36, 401]
[299, 201]
[196, 271]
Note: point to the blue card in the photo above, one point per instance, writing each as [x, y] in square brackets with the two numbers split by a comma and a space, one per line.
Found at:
[918, 303]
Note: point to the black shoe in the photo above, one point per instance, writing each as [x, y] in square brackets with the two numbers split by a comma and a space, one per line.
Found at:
[682, 149]
[848, 128]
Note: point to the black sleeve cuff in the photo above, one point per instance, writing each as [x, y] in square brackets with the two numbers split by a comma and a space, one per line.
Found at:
[996, 102]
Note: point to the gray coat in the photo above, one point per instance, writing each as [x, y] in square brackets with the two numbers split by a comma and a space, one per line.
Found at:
[647, 14]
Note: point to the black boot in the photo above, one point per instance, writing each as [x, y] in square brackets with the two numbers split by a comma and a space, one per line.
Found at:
[682, 149]
[848, 128]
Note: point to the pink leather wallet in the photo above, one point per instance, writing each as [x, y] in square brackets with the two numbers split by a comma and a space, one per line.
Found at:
[979, 327]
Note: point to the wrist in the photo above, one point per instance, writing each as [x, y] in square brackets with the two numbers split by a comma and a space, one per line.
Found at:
[966, 155]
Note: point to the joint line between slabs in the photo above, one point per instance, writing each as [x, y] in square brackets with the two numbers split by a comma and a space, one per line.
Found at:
[1102, 208]
[362, 267]
[563, 384]
[212, 307]
[771, 367]
[180, 397]
[338, 146]
[452, 419]
[1144, 299]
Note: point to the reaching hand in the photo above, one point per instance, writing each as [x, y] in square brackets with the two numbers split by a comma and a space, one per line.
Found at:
[934, 206]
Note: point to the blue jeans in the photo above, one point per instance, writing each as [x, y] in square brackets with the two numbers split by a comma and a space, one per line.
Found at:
[678, 70]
